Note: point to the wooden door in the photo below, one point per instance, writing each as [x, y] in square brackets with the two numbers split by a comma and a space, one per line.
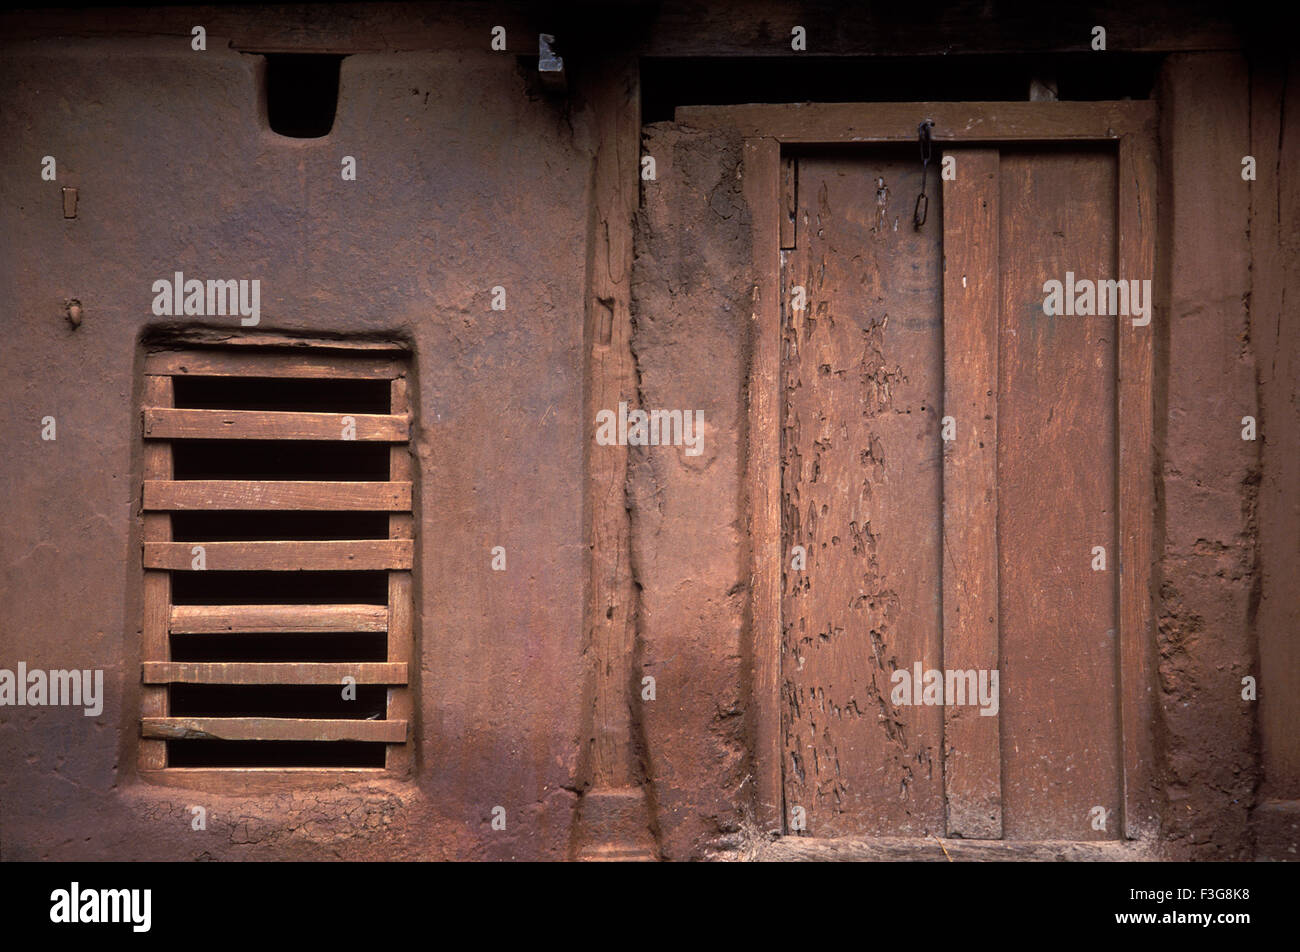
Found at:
[950, 477]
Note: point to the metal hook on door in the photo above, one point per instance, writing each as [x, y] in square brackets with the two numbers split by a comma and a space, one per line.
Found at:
[922, 201]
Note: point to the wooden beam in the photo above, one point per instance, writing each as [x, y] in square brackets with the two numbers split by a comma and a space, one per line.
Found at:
[761, 28]
[313, 365]
[155, 645]
[611, 369]
[294, 672]
[274, 619]
[166, 424]
[273, 728]
[334, 556]
[953, 121]
[798, 849]
[971, 301]
[277, 494]
[400, 704]
[178, 338]
[1136, 489]
[328, 28]
[762, 159]
[789, 202]
[674, 28]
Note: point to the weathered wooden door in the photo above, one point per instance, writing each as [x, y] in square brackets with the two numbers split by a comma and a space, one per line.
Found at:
[950, 480]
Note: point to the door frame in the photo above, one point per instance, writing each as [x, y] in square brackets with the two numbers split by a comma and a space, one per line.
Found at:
[766, 130]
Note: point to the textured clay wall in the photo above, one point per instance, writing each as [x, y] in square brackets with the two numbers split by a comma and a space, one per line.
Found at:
[691, 317]
[1275, 336]
[466, 179]
[1229, 507]
[691, 342]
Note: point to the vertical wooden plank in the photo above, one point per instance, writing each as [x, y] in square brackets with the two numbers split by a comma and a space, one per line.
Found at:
[1136, 507]
[861, 470]
[399, 758]
[972, 766]
[1057, 491]
[613, 820]
[156, 645]
[789, 202]
[610, 615]
[762, 194]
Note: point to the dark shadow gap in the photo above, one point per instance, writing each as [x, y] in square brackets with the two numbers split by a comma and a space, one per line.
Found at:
[302, 93]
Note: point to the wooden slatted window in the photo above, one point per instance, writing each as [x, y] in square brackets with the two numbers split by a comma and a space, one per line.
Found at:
[278, 542]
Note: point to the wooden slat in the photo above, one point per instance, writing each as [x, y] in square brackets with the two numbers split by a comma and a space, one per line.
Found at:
[155, 645]
[953, 121]
[169, 424]
[349, 555]
[762, 192]
[202, 338]
[280, 494]
[789, 202]
[1137, 238]
[241, 672]
[930, 849]
[972, 757]
[270, 619]
[314, 365]
[400, 704]
[273, 728]
[761, 28]
[609, 622]
[1056, 499]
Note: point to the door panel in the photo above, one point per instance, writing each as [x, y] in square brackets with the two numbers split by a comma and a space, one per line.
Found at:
[862, 378]
[1056, 499]
[972, 553]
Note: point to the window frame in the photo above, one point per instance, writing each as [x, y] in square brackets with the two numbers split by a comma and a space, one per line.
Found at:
[290, 358]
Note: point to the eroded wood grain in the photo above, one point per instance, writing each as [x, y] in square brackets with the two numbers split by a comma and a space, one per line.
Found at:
[793, 123]
[272, 672]
[862, 385]
[1057, 500]
[316, 495]
[274, 728]
[274, 619]
[157, 528]
[352, 555]
[171, 424]
[312, 365]
[971, 301]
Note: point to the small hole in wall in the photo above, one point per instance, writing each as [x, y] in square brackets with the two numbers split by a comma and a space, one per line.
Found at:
[302, 93]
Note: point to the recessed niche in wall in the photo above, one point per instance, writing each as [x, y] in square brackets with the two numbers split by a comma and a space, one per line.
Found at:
[302, 93]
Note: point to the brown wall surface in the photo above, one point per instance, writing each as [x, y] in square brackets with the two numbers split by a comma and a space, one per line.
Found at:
[469, 177]
[466, 180]
[1275, 338]
[690, 312]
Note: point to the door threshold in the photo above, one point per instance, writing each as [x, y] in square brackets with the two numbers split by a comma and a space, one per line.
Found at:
[930, 849]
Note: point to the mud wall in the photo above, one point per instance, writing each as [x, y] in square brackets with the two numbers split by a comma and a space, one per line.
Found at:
[467, 178]
[691, 315]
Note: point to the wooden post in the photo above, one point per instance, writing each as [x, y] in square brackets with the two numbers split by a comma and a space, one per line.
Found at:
[156, 642]
[613, 816]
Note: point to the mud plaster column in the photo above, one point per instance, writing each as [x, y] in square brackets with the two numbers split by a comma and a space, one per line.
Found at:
[614, 819]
